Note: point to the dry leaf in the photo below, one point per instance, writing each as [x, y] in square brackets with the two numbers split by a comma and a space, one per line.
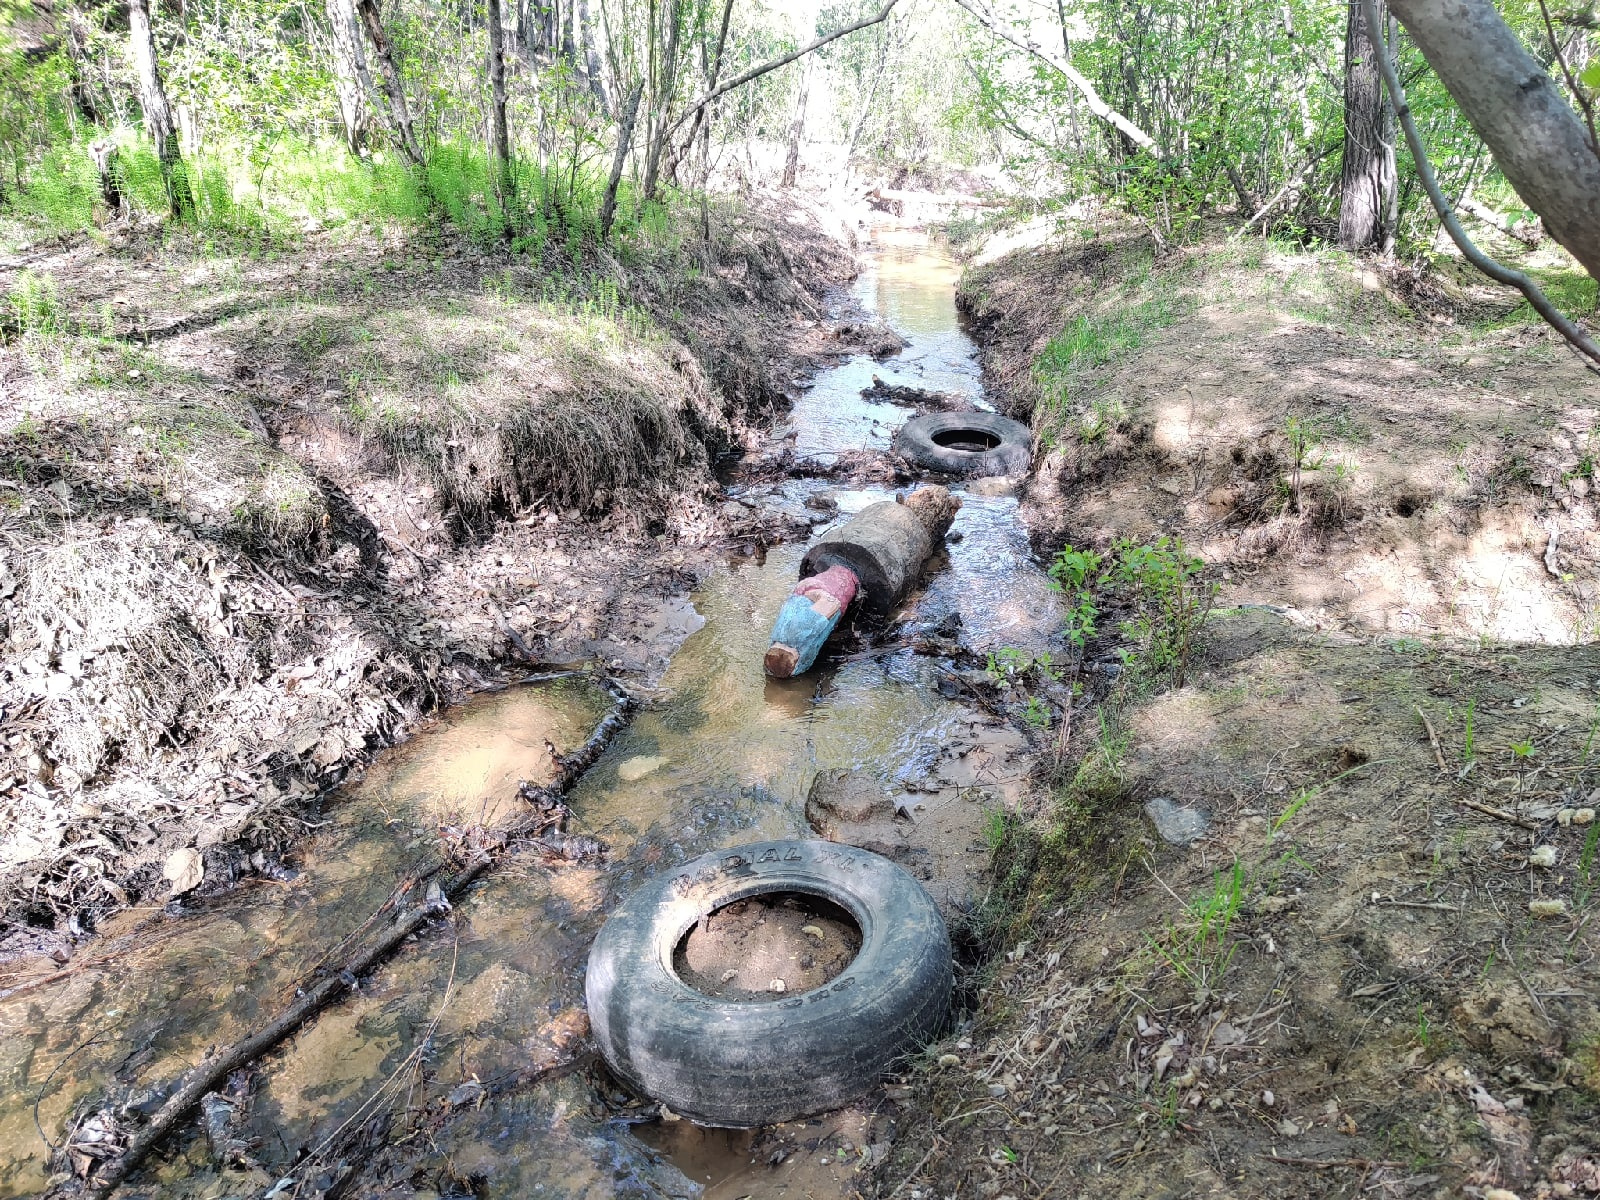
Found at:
[184, 869]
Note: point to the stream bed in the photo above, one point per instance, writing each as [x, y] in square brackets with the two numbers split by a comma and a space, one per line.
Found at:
[453, 1030]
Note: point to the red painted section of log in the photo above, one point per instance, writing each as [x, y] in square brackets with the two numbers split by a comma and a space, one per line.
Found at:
[838, 582]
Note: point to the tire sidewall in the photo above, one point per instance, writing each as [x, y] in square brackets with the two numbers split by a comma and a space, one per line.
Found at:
[915, 442]
[748, 1064]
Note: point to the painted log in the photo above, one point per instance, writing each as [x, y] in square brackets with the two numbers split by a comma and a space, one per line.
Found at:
[807, 618]
[877, 555]
[885, 545]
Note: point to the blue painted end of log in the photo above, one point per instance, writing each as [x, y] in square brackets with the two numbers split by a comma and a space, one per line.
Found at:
[801, 626]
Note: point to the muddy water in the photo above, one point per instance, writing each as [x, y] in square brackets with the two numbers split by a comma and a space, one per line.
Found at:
[454, 1030]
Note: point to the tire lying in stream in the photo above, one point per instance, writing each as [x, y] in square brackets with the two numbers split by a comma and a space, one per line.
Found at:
[742, 1064]
[969, 444]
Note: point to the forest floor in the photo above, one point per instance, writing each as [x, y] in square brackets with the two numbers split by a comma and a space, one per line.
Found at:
[1377, 969]
[265, 508]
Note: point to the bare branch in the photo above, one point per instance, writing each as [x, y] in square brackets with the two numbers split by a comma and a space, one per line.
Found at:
[1065, 69]
[761, 69]
[1494, 270]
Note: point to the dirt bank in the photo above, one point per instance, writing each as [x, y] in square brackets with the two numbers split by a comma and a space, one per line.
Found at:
[1319, 921]
[266, 508]
[1382, 453]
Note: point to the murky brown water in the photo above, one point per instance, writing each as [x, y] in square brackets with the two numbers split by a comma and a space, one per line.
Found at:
[725, 755]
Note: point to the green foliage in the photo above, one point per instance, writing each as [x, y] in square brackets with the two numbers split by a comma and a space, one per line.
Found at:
[33, 306]
[1587, 872]
[1197, 946]
[1163, 585]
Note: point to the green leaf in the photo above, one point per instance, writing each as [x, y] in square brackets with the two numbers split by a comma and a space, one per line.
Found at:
[1591, 76]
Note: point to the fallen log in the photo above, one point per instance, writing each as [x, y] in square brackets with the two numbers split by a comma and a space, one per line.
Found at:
[877, 556]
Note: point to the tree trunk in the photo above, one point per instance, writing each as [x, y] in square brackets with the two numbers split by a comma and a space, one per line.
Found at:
[83, 97]
[499, 134]
[860, 122]
[608, 207]
[591, 58]
[157, 112]
[399, 112]
[1367, 194]
[666, 85]
[536, 28]
[1539, 143]
[712, 69]
[105, 155]
[791, 164]
[352, 81]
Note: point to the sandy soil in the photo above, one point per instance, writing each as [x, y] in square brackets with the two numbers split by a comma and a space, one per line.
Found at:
[765, 948]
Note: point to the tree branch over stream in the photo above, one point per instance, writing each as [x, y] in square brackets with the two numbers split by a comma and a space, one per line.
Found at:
[761, 69]
[1493, 269]
[1065, 69]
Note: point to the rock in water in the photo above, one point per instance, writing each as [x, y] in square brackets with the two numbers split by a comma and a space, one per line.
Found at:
[840, 798]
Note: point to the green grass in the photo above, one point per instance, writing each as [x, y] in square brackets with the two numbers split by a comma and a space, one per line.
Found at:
[271, 193]
[1573, 292]
[1197, 947]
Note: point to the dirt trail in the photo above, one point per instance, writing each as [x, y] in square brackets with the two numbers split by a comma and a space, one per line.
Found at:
[1321, 921]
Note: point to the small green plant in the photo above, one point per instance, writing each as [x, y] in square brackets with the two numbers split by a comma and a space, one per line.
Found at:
[33, 306]
[1305, 795]
[1588, 742]
[1424, 1033]
[1305, 452]
[1036, 713]
[1198, 948]
[996, 825]
[1468, 743]
[1076, 573]
[1586, 867]
[1523, 750]
[1172, 599]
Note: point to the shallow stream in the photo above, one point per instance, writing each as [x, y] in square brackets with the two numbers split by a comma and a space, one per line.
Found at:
[456, 1024]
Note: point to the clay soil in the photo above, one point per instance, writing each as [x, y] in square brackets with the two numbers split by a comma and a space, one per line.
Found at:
[268, 507]
[1376, 971]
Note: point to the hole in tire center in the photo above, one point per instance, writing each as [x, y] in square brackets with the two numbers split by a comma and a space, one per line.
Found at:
[742, 950]
[973, 441]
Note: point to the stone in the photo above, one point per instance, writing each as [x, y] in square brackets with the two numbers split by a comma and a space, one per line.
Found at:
[1177, 825]
[992, 485]
[846, 798]
[631, 770]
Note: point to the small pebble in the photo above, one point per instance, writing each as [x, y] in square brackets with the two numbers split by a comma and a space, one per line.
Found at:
[1584, 816]
[1564, 817]
[949, 1060]
[777, 985]
[1268, 1099]
[1542, 856]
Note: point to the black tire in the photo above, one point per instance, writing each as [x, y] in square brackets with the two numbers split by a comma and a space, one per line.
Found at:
[741, 1065]
[967, 444]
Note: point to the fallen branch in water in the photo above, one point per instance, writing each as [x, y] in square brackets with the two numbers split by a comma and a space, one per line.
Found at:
[444, 884]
